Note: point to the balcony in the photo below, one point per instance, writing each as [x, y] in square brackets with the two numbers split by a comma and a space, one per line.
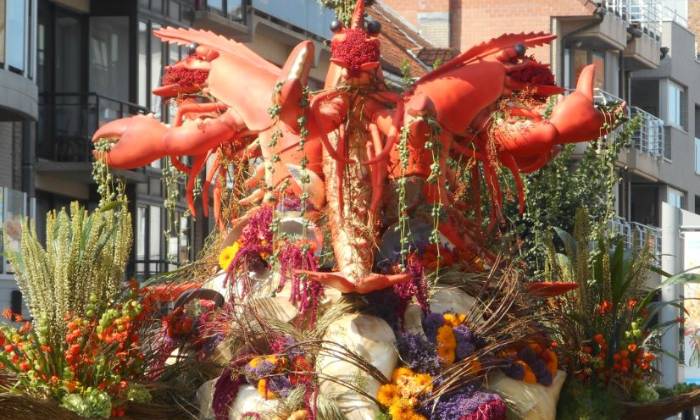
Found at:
[307, 15]
[68, 122]
[225, 17]
[650, 138]
[643, 19]
[638, 235]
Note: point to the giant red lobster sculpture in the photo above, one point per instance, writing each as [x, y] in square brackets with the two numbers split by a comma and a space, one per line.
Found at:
[341, 147]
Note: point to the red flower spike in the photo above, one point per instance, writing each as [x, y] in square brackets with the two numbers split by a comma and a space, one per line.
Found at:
[550, 289]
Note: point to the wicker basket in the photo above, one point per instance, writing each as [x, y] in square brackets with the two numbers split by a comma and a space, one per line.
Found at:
[20, 407]
[662, 408]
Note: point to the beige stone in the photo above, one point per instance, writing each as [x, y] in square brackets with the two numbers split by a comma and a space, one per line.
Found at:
[529, 401]
[369, 337]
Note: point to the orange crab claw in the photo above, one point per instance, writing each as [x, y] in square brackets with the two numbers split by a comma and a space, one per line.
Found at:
[371, 283]
[139, 141]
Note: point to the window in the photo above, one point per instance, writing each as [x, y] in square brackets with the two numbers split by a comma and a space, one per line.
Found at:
[675, 197]
[2, 31]
[235, 9]
[143, 64]
[580, 59]
[16, 14]
[174, 10]
[217, 5]
[697, 155]
[16, 302]
[109, 58]
[677, 109]
[156, 68]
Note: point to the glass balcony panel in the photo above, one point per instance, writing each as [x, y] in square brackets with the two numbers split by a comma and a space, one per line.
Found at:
[16, 19]
[216, 5]
[305, 14]
[235, 9]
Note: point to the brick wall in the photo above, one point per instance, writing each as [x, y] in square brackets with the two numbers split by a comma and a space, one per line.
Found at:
[694, 20]
[475, 21]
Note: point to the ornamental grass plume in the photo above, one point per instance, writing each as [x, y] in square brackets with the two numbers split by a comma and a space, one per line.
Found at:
[85, 256]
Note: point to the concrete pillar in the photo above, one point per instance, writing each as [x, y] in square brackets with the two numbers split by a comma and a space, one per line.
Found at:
[670, 263]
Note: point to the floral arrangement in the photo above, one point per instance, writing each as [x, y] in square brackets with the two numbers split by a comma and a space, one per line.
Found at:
[83, 347]
[532, 363]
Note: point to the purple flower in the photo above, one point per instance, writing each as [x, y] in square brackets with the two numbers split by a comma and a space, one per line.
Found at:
[225, 391]
[262, 369]
[468, 404]
[515, 371]
[305, 295]
[279, 384]
[418, 353]
[431, 323]
[465, 344]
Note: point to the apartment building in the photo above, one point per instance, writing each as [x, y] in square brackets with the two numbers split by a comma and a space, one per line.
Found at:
[19, 111]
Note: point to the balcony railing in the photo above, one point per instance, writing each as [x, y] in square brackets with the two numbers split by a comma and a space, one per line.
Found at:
[638, 235]
[645, 14]
[68, 121]
[650, 138]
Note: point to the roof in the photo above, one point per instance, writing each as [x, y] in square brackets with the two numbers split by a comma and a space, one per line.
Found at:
[402, 44]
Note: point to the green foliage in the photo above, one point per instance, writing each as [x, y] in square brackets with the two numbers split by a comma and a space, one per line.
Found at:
[92, 403]
[343, 8]
[581, 402]
[567, 183]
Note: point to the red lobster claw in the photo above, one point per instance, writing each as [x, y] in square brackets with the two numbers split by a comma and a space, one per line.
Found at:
[576, 118]
[139, 141]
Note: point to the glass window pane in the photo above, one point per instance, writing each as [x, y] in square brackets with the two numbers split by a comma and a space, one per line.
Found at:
[2, 31]
[157, 5]
[579, 60]
[156, 68]
[217, 5]
[140, 233]
[143, 64]
[235, 9]
[68, 69]
[697, 155]
[143, 3]
[155, 234]
[109, 56]
[174, 10]
[16, 13]
[598, 60]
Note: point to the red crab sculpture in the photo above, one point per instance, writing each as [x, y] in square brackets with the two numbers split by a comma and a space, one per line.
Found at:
[342, 147]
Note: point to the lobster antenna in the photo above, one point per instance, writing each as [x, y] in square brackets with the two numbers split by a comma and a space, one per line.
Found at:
[358, 16]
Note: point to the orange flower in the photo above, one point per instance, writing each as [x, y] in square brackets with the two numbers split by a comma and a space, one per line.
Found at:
[605, 307]
[632, 347]
[7, 313]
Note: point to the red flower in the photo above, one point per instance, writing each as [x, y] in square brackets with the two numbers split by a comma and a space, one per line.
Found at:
[605, 307]
[632, 347]
[24, 366]
[631, 304]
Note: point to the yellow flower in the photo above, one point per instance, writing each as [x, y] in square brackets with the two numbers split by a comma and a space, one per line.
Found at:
[424, 382]
[264, 391]
[255, 361]
[387, 394]
[228, 254]
[417, 416]
[454, 320]
[398, 373]
[446, 338]
[401, 410]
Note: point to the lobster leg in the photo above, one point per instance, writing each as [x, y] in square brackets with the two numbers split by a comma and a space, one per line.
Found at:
[207, 184]
[509, 162]
[197, 165]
